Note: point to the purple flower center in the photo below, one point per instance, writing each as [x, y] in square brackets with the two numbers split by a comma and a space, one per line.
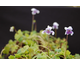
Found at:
[54, 26]
[48, 31]
[68, 32]
[35, 11]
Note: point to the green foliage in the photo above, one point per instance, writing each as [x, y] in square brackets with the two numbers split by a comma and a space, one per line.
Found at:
[24, 32]
[22, 50]
[18, 36]
[41, 56]
[11, 57]
[17, 55]
[56, 57]
[68, 52]
[57, 50]
[10, 47]
[14, 48]
[33, 32]
[77, 56]
[31, 52]
[34, 45]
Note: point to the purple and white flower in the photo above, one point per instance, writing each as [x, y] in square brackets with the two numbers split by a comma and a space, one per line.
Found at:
[11, 29]
[69, 30]
[48, 30]
[55, 25]
[35, 11]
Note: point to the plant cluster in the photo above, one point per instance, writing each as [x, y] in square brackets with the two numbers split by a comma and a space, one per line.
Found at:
[38, 45]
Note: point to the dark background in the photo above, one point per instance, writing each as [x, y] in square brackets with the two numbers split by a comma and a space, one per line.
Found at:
[21, 18]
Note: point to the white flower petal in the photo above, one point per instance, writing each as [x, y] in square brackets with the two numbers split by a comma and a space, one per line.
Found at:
[33, 13]
[65, 28]
[55, 23]
[53, 32]
[65, 33]
[49, 27]
[48, 33]
[11, 29]
[38, 11]
[72, 33]
[42, 32]
[70, 27]
[33, 9]
[53, 27]
[57, 27]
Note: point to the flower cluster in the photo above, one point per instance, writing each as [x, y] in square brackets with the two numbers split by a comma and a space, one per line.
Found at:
[49, 31]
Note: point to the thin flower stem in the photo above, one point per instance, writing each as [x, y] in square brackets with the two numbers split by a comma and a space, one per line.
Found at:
[55, 32]
[32, 22]
[67, 38]
[48, 44]
[35, 26]
[66, 45]
[15, 29]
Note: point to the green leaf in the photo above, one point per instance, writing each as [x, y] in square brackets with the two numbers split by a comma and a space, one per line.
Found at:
[22, 50]
[17, 56]
[70, 57]
[42, 55]
[6, 50]
[51, 53]
[57, 50]
[24, 32]
[62, 53]
[19, 32]
[30, 42]
[39, 56]
[10, 42]
[68, 52]
[19, 51]
[27, 35]
[58, 40]
[14, 48]
[11, 57]
[35, 47]
[31, 52]
[18, 35]
[77, 56]
[33, 32]
[23, 55]
[20, 39]
[56, 57]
